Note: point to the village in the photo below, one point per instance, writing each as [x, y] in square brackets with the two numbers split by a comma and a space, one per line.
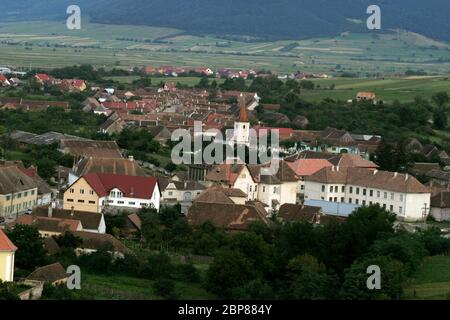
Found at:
[323, 176]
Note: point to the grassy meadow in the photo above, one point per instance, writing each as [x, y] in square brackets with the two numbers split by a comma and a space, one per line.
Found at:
[50, 44]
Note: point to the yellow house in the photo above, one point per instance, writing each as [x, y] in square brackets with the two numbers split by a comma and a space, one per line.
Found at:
[80, 196]
[18, 192]
[7, 251]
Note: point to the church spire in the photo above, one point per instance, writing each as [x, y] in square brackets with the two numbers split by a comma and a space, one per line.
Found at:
[243, 110]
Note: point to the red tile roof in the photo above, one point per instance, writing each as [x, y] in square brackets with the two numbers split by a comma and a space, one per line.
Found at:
[307, 167]
[131, 186]
[5, 243]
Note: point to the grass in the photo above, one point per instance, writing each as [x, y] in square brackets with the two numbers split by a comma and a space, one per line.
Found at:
[388, 90]
[431, 280]
[50, 44]
[118, 287]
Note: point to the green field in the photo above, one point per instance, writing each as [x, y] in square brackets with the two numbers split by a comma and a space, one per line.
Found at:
[50, 44]
[388, 90]
[432, 280]
[115, 287]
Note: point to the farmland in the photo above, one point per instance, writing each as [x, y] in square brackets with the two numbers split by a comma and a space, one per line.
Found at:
[50, 44]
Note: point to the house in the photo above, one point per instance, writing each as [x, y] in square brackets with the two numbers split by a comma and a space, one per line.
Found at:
[53, 274]
[422, 168]
[160, 134]
[112, 126]
[90, 221]
[48, 226]
[366, 96]
[304, 168]
[43, 78]
[216, 207]
[92, 242]
[440, 206]
[254, 180]
[399, 193]
[73, 85]
[299, 213]
[133, 223]
[44, 192]
[98, 192]
[4, 82]
[439, 177]
[90, 148]
[352, 161]
[18, 192]
[182, 192]
[7, 253]
[120, 166]
[219, 194]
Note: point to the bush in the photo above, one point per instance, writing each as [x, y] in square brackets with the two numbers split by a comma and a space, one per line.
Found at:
[165, 288]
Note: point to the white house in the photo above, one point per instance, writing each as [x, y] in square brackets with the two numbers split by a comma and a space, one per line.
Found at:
[272, 190]
[401, 194]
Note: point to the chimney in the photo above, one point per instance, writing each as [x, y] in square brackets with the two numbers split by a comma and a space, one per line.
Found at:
[406, 177]
[332, 168]
[337, 168]
[395, 174]
[132, 192]
[50, 211]
[131, 158]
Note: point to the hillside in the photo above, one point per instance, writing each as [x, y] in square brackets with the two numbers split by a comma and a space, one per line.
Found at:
[289, 19]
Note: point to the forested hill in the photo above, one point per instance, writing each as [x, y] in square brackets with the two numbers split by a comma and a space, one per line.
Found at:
[259, 18]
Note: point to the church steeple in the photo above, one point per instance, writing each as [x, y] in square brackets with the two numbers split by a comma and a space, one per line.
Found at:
[243, 117]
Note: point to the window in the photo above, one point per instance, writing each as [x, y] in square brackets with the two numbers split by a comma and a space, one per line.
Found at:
[92, 202]
[256, 188]
[357, 201]
[385, 195]
[370, 203]
[91, 192]
[119, 194]
[384, 206]
[25, 194]
[342, 199]
[371, 193]
[143, 204]
[378, 194]
[8, 198]
[80, 201]
[264, 188]
[400, 209]
[364, 192]
[357, 190]
[72, 190]
[401, 197]
[343, 189]
[32, 192]
[274, 190]
[302, 187]
[335, 199]
[349, 200]
[364, 202]
[113, 194]
[391, 208]
[251, 188]
[330, 199]
[351, 189]
[81, 191]
[19, 195]
[131, 203]
[392, 196]
[110, 201]
[170, 193]
[323, 188]
[120, 202]
[331, 188]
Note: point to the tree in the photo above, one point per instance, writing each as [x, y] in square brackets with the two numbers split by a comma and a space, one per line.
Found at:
[229, 270]
[165, 288]
[31, 252]
[392, 278]
[440, 98]
[440, 119]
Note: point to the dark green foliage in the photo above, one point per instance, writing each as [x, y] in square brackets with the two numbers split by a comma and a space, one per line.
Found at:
[165, 288]
[68, 240]
[31, 252]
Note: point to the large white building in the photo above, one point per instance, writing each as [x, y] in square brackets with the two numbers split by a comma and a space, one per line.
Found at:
[401, 194]
[272, 190]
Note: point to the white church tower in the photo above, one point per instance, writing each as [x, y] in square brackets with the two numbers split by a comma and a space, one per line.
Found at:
[242, 127]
